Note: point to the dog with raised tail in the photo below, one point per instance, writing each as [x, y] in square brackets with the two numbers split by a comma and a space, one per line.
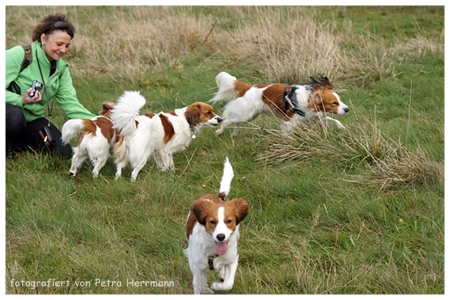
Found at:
[291, 103]
[96, 137]
[159, 135]
[212, 231]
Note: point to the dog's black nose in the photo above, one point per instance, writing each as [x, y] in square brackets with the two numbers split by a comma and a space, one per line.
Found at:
[346, 109]
[219, 119]
[220, 237]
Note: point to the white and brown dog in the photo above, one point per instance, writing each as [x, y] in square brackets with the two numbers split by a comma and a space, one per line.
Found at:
[161, 135]
[292, 103]
[96, 136]
[213, 232]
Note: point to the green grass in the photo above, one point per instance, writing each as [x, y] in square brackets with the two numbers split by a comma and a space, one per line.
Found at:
[359, 211]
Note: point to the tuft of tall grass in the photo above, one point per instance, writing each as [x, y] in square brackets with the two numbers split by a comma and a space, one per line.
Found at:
[388, 163]
[371, 63]
[286, 51]
[419, 46]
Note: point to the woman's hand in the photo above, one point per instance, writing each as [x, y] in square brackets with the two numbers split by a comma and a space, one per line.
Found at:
[26, 99]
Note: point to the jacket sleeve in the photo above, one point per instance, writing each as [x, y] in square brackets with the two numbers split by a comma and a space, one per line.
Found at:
[67, 99]
[13, 61]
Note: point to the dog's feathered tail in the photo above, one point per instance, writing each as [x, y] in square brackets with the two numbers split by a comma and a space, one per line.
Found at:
[71, 129]
[124, 113]
[225, 183]
[225, 83]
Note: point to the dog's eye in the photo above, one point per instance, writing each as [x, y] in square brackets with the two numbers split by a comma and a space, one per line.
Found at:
[229, 221]
[212, 222]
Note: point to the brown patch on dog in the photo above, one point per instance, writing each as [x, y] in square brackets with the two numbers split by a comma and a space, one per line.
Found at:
[106, 127]
[273, 97]
[169, 131]
[106, 108]
[89, 126]
[241, 87]
[119, 150]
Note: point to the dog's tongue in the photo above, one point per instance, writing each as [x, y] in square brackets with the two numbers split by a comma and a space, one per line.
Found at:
[221, 248]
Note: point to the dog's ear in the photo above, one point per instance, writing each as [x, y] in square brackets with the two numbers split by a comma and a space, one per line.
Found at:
[240, 207]
[193, 114]
[198, 209]
[106, 106]
[316, 94]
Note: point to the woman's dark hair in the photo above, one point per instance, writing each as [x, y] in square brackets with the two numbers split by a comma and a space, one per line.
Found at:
[52, 23]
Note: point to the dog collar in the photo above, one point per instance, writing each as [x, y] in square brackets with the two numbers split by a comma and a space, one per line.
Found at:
[289, 97]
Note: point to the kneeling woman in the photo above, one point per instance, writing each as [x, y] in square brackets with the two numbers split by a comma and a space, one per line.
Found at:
[27, 128]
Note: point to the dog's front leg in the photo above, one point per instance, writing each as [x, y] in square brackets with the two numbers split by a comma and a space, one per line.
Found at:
[223, 125]
[163, 160]
[200, 282]
[227, 273]
[237, 126]
[171, 165]
[327, 121]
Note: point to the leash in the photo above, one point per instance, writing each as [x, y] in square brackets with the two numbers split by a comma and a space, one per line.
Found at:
[289, 92]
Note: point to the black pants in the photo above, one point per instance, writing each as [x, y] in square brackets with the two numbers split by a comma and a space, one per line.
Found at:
[24, 136]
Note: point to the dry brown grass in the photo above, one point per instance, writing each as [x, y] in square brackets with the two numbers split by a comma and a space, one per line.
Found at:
[372, 62]
[419, 46]
[285, 45]
[285, 51]
[386, 163]
[140, 45]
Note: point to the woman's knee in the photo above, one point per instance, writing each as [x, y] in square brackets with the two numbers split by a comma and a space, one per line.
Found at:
[15, 120]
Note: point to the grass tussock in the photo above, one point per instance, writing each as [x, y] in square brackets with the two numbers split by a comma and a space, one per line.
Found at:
[161, 43]
[372, 63]
[388, 163]
[291, 53]
[419, 46]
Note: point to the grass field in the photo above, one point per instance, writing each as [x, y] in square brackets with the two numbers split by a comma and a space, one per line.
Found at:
[356, 211]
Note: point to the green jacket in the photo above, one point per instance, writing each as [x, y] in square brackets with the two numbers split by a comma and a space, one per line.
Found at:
[59, 85]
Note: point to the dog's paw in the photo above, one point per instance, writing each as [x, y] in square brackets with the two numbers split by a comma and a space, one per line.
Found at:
[339, 125]
[207, 290]
[220, 286]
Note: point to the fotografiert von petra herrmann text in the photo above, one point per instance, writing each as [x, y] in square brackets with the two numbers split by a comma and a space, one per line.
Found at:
[97, 282]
